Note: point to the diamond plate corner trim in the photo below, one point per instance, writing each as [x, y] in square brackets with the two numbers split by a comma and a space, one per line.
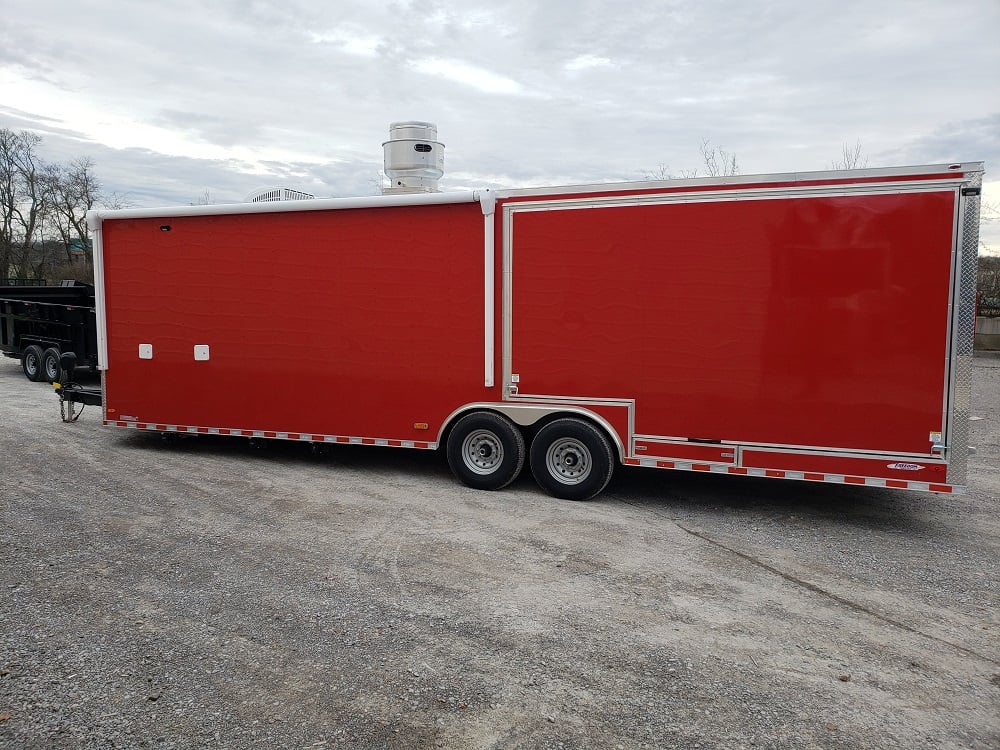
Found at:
[963, 335]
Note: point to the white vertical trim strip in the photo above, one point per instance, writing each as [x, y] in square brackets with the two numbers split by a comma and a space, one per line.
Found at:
[94, 222]
[489, 283]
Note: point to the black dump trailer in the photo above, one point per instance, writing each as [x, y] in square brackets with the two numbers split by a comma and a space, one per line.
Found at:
[39, 323]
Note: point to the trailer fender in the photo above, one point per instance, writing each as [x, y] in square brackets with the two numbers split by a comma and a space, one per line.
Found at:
[526, 415]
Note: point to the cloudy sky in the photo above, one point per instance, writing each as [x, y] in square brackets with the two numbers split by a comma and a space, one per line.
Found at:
[175, 98]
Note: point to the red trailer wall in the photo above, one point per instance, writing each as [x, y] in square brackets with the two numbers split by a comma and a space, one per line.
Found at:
[818, 321]
[325, 322]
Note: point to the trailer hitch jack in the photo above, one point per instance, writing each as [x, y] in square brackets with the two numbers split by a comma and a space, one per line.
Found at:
[74, 393]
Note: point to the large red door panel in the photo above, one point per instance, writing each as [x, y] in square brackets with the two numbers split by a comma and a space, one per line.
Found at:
[357, 322]
[818, 321]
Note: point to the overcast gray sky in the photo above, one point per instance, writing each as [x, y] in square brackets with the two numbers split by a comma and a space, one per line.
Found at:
[171, 99]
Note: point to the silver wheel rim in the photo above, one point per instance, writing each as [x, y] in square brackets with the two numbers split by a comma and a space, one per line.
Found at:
[568, 461]
[482, 452]
[31, 363]
[51, 369]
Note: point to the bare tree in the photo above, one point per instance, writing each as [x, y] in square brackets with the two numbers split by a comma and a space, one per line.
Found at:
[25, 198]
[851, 157]
[205, 199]
[661, 172]
[43, 211]
[718, 163]
[74, 190]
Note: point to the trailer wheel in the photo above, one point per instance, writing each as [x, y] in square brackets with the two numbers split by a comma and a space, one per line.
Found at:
[485, 451]
[571, 459]
[31, 363]
[50, 364]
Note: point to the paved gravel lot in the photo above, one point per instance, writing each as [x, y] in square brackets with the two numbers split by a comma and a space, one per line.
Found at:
[204, 594]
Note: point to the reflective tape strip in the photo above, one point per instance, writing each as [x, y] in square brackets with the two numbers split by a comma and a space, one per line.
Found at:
[297, 436]
[808, 476]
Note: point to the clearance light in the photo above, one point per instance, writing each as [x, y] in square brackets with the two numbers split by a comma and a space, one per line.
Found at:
[420, 426]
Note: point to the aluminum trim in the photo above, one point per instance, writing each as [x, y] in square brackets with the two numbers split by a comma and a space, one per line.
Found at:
[592, 400]
[954, 271]
[526, 415]
[728, 196]
[838, 453]
[736, 180]
[962, 335]
[104, 394]
[794, 448]
[508, 299]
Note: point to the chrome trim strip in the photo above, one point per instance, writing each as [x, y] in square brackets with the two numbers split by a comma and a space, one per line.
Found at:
[737, 180]
[790, 448]
[526, 415]
[729, 196]
[592, 400]
[954, 270]
[839, 453]
[963, 334]
[508, 298]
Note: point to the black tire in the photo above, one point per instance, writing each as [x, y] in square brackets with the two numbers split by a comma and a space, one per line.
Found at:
[31, 363]
[485, 450]
[51, 369]
[572, 459]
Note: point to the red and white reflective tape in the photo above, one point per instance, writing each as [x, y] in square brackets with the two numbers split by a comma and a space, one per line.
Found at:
[807, 476]
[273, 435]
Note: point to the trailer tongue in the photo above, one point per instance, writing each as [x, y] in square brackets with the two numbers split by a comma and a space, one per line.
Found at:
[71, 393]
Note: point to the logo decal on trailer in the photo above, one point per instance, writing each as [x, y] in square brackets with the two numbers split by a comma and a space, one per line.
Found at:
[906, 467]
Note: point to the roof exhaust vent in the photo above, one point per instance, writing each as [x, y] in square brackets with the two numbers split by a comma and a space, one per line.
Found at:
[414, 158]
[277, 194]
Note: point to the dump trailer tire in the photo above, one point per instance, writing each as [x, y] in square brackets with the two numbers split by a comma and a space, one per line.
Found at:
[51, 369]
[572, 459]
[31, 363]
[485, 450]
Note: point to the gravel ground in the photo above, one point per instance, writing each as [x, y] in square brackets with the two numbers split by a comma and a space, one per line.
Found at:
[204, 594]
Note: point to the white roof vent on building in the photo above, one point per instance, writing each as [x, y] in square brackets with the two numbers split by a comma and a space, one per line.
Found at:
[277, 194]
[414, 158]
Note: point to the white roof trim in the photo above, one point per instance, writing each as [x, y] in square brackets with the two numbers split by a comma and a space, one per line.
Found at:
[96, 216]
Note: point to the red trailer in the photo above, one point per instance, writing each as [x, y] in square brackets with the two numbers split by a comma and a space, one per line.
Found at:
[813, 326]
